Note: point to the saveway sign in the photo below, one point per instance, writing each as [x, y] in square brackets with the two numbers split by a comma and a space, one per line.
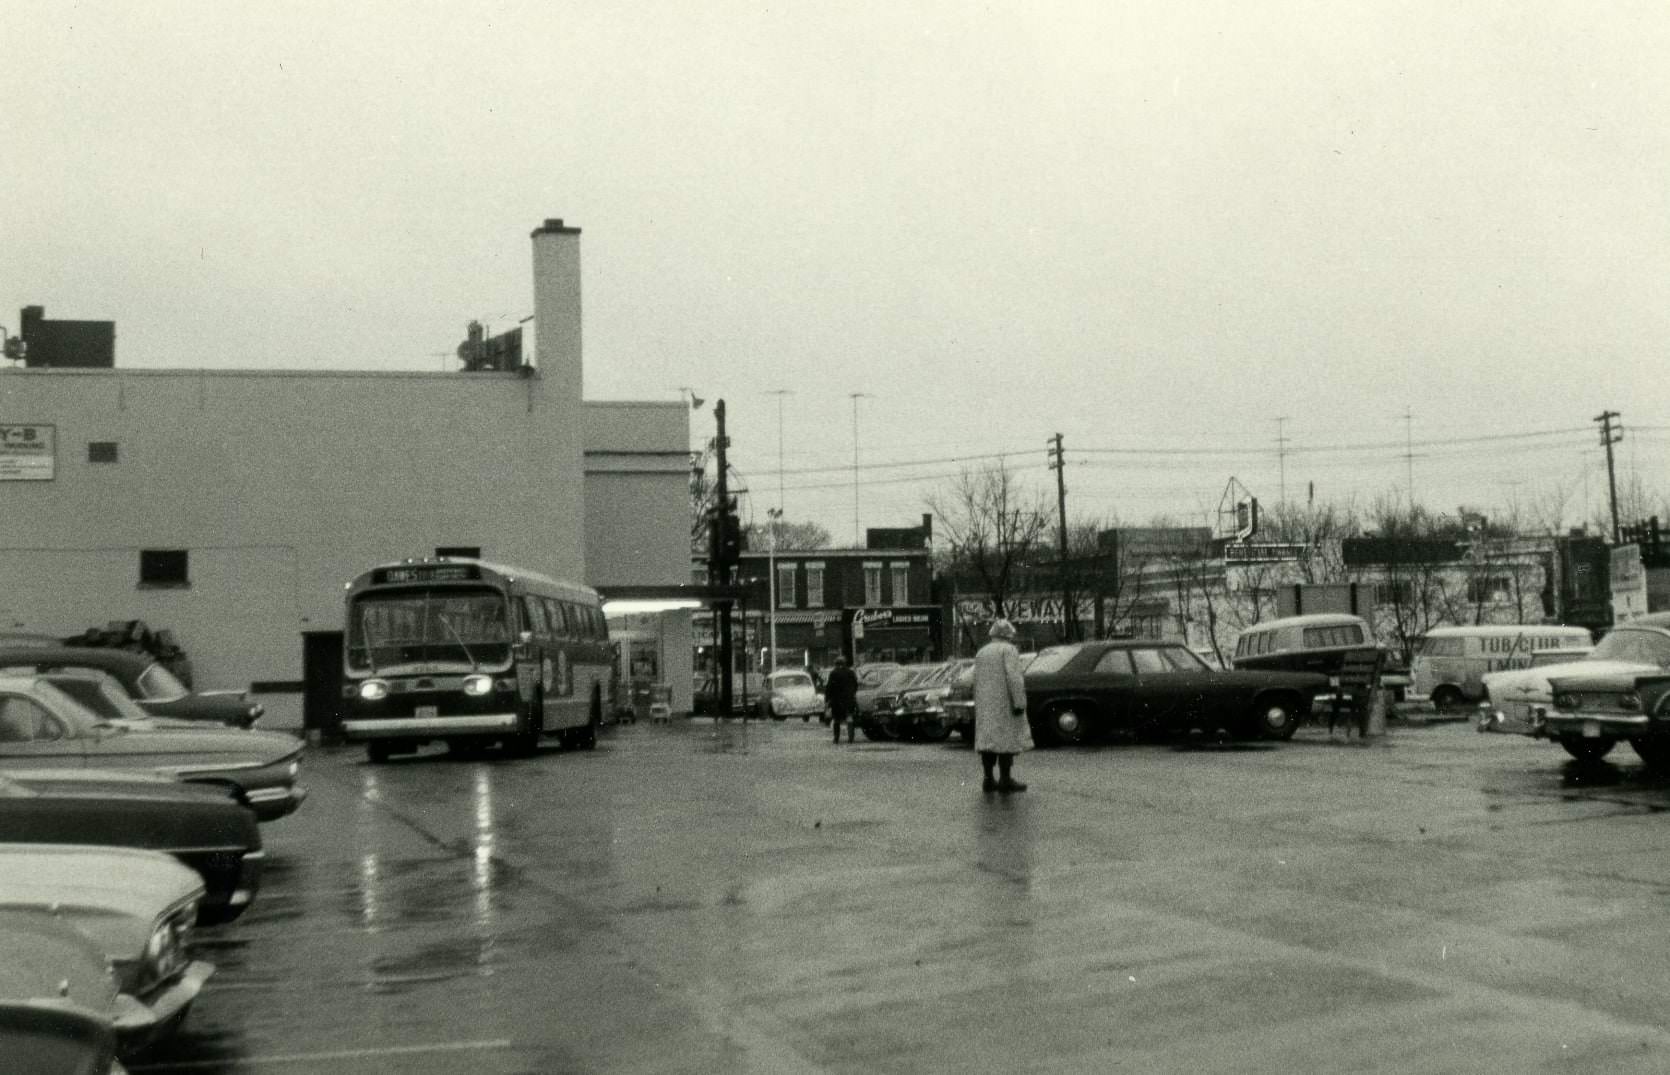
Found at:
[27, 452]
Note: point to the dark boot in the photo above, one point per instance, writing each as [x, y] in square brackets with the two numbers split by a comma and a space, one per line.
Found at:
[1006, 781]
[988, 761]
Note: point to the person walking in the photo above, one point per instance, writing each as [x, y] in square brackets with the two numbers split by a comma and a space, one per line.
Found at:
[841, 692]
[1001, 729]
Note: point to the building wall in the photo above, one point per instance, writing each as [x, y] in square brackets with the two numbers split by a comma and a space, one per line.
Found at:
[281, 486]
[637, 521]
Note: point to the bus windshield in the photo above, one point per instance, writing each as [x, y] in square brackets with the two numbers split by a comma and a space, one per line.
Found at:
[468, 625]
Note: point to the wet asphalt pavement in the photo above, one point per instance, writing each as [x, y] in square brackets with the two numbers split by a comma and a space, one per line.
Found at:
[701, 898]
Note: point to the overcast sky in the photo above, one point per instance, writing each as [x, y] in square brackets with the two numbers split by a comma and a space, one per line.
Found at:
[1152, 227]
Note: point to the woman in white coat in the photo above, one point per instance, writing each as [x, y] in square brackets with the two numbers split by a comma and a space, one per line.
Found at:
[1001, 729]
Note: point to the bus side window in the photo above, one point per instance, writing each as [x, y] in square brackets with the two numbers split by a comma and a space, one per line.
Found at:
[533, 618]
[599, 629]
[559, 622]
[576, 620]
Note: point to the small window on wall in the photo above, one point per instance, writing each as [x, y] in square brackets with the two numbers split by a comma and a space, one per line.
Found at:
[465, 552]
[872, 584]
[901, 584]
[814, 585]
[101, 451]
[785, 585]
[164, 567]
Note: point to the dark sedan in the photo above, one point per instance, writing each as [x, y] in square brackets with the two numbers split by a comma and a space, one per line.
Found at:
[205, 827]
[1085, 691]
[42, 727]
[146, 681]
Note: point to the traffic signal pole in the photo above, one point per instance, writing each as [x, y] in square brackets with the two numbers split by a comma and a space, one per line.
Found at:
[721, 560]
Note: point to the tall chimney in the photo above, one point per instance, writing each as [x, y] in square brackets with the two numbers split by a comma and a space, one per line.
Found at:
[556, 309]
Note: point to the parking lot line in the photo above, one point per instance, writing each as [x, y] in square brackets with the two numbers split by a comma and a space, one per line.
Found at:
[340, 1054]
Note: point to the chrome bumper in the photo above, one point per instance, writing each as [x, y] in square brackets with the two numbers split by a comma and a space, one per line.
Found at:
[399, 727]
[1596, 726]
[143, 1022]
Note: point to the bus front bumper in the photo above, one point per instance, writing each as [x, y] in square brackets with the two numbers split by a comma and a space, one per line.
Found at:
[441, 724]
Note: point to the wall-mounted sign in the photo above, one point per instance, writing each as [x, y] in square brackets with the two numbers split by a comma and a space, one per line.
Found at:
[27, 452]
[883, 618]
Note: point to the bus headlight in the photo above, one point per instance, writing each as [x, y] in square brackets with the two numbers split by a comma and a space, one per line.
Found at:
[478, 684]
[374, 690]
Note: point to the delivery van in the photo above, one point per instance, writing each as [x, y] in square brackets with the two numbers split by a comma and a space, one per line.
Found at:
[1451, 661]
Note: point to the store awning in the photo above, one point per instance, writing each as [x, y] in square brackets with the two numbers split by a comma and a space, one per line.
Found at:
[620, 600]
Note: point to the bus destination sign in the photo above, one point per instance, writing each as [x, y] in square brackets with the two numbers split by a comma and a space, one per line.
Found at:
[427, 573]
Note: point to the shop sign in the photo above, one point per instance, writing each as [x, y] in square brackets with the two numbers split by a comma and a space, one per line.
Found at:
[27, 452]
[1023, 609]
[885, 618]
[1629, 584]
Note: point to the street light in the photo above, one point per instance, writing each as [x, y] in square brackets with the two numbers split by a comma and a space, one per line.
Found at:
[771, 571]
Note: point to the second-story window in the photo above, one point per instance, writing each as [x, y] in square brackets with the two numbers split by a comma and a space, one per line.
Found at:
[785, 585]
[872, 584]
[814, 585]
[901, 583]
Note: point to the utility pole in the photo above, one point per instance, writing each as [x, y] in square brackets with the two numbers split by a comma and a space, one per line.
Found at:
[724, 551]
[1281, 461]
[1609, 435]
[1409, 455]
[1069, 613]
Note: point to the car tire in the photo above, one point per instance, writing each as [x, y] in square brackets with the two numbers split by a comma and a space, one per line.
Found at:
[1066, 724]
[1654, 753]
[1447, 697]
[934, 731]
[1276, 717]
[873, 732]
[377, 751]
[1587, 749]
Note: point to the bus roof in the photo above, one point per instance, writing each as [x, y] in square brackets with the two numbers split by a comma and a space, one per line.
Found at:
[1311, 619]
[504, 571]
[1475, 630]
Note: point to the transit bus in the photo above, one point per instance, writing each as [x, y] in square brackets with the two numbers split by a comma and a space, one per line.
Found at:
[471, 653]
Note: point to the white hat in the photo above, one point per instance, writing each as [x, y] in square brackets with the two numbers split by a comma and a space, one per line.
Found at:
[1002, 629]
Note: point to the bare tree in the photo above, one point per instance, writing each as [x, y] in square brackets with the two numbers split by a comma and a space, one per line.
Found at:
[1411, 573]
[790, 536]
[992, 526]
[1320, 528]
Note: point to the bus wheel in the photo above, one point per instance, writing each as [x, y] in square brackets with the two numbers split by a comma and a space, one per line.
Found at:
[1446, 697]
[377, 751]
[526, 744]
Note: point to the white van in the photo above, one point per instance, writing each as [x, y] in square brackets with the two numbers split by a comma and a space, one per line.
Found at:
[1451, 661]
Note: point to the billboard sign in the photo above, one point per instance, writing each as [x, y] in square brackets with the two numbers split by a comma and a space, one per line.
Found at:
[28, 452]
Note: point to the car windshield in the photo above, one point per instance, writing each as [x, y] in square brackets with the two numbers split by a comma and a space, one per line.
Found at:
[98, 697]
[158, 684]
[81, 720]
[1635, 645]
[872, 674]
[900, 679]
[1052, 659]
[791, 680]
[407, 626]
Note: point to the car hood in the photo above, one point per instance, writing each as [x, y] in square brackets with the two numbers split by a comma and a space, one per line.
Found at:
[48, 960]
[206, 746]
[112, 894]
[111, 784]
[1522, 684]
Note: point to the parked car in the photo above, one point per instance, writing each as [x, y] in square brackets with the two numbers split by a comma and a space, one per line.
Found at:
[921, 713]
[791, 692]
[157, 690]
[878, 705]
[870, 678]
[1083, 691]
[137, 906]
[1451, 662]
[42, 727]
[1519, 701]
[58, 999]
[1317, 642]
[204, 827]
